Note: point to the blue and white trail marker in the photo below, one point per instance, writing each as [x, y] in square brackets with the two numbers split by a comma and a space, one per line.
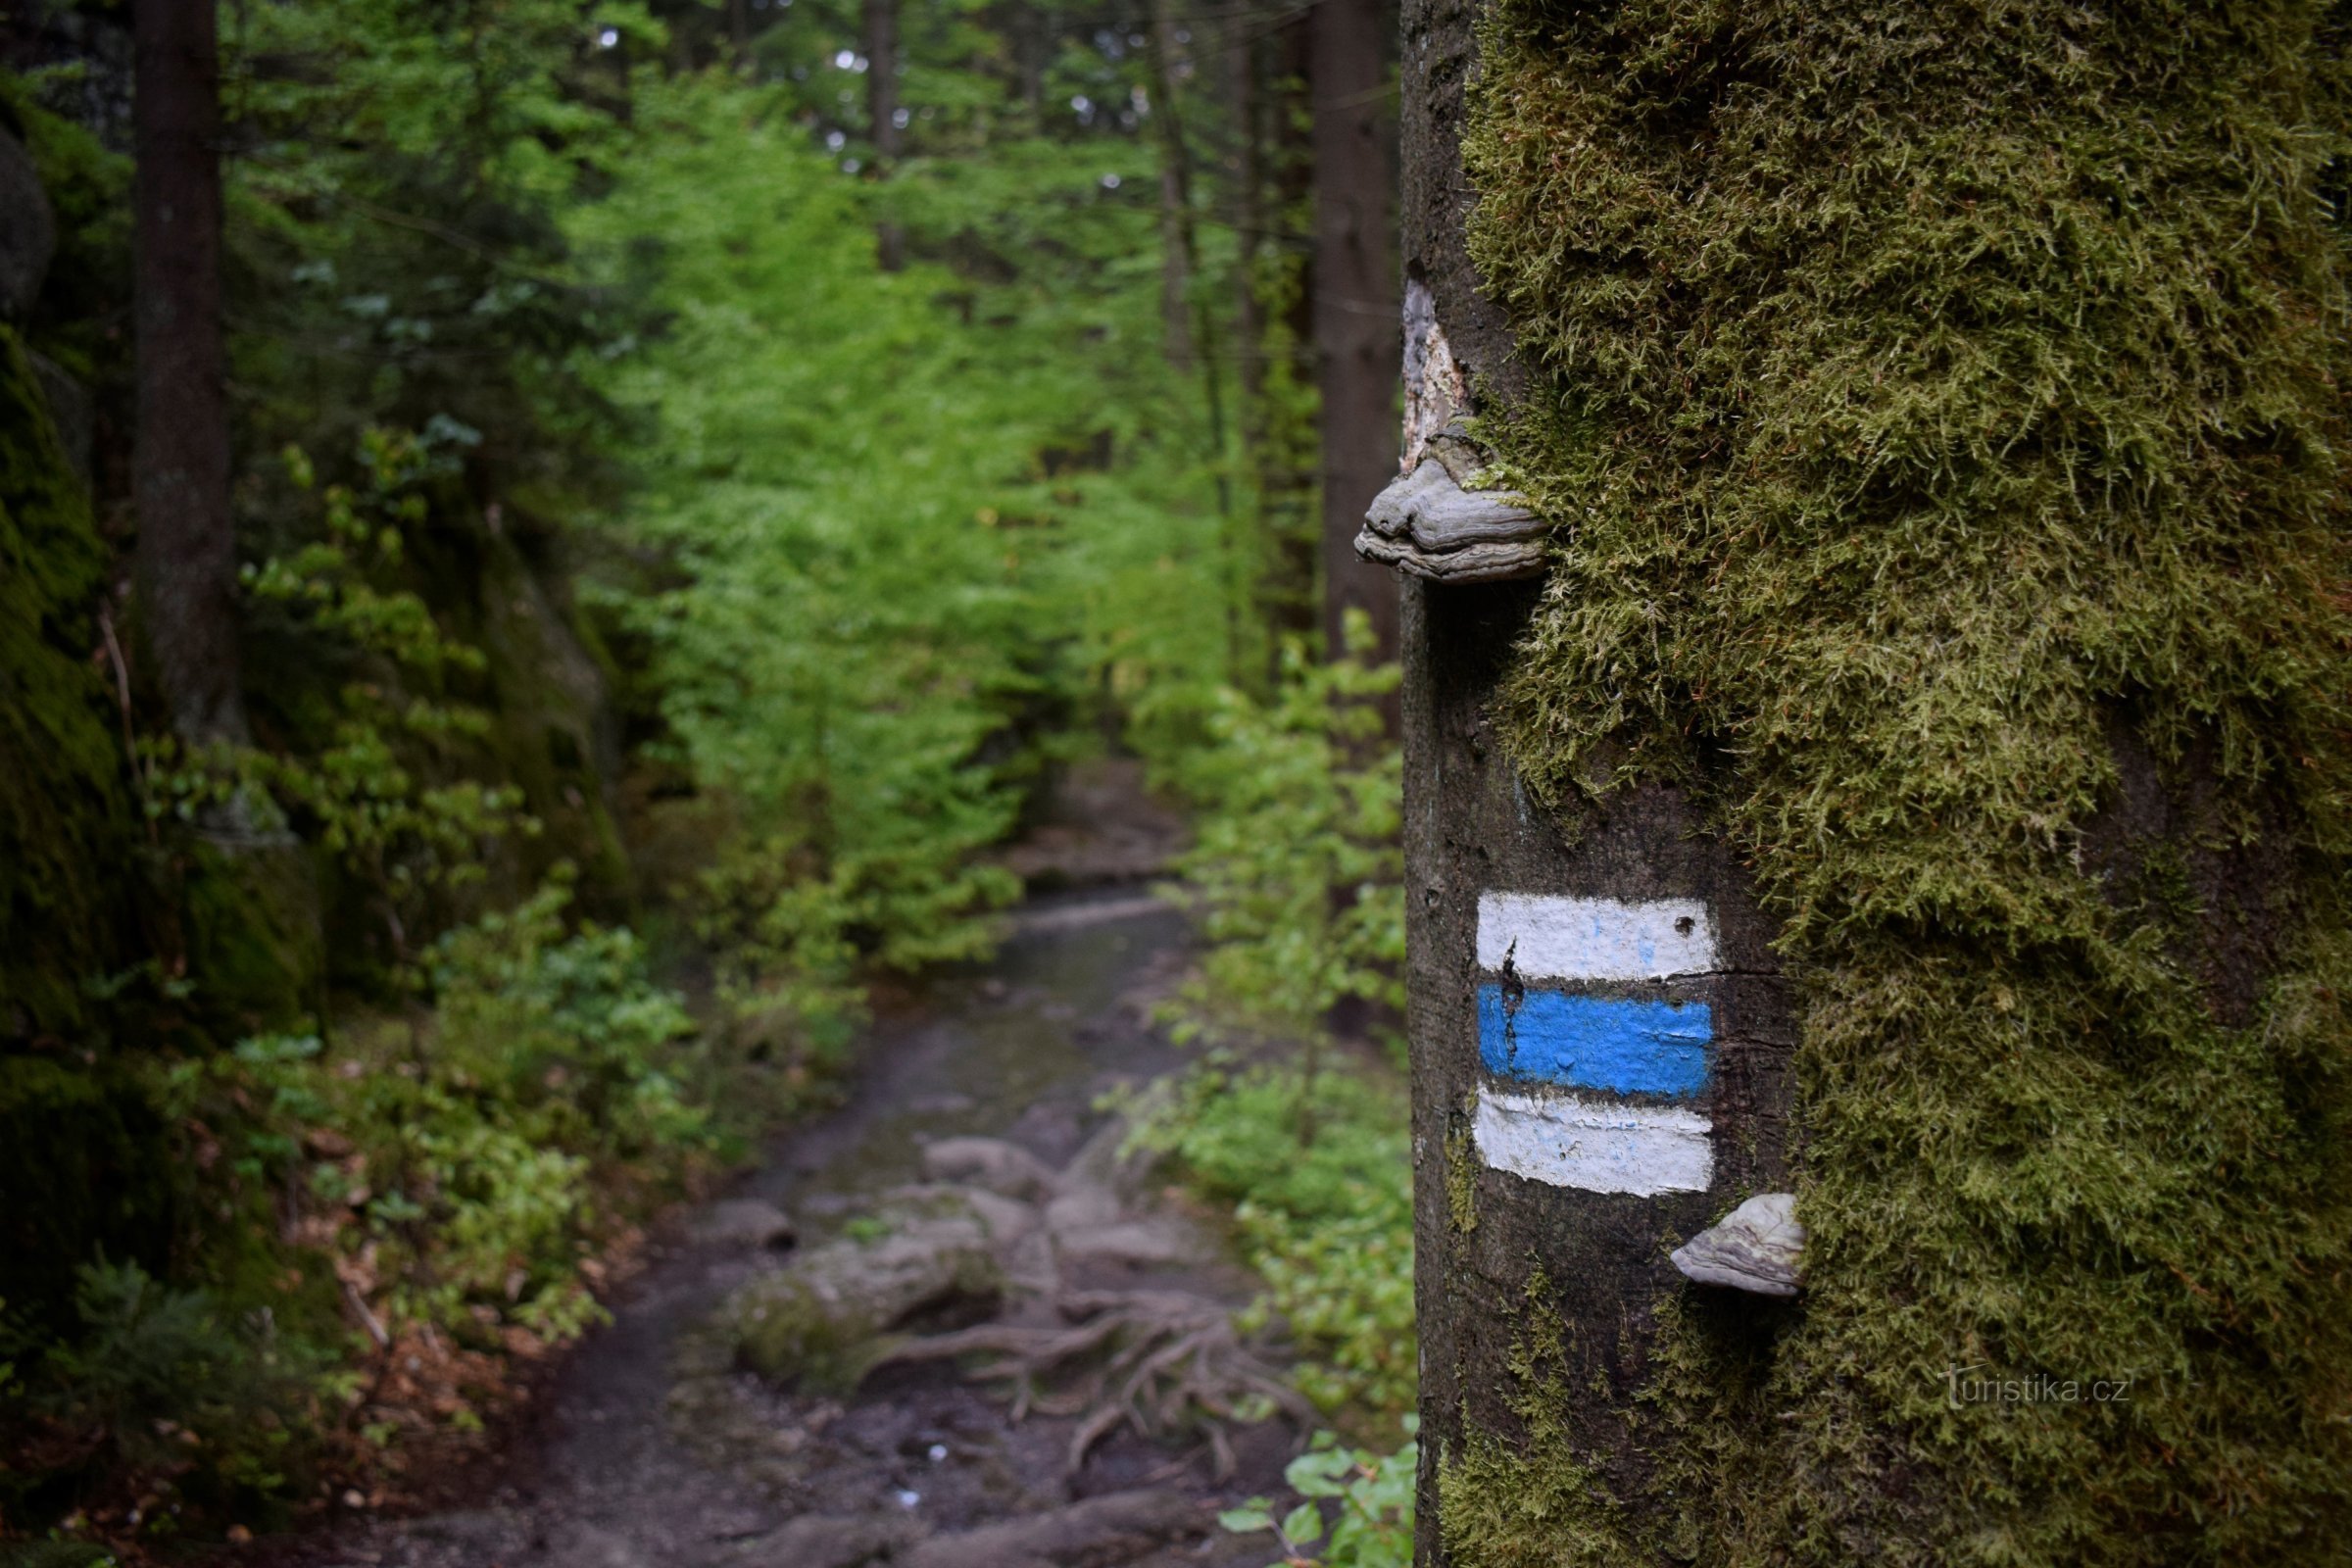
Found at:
[1562, 1058]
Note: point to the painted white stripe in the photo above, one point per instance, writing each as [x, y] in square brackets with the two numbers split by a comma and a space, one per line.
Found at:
[1593, 1145]
[1594, 939]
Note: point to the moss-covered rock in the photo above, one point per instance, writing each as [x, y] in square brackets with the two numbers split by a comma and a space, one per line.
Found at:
[1945, 413]
[68, 827]
[74, 1128]
[825, 1319]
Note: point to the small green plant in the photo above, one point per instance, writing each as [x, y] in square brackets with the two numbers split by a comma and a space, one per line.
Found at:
[1298, 870]
[367, 795]
[168, 1382]
[1328, 1226]
[1372, 1526]
[449, 1163]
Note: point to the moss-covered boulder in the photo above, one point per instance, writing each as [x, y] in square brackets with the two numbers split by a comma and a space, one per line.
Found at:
[826, 1318]
[68, 826]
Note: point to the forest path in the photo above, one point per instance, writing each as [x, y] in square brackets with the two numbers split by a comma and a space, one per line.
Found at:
[652, 1449]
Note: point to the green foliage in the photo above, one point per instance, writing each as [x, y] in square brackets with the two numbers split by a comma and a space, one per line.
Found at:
[365, 795]
[1296, 869]
[891, 570]
[1374, 1527]
[1944, 408]
[1328, 1223]
[394, 226]
[1298, 874]
[453, 1162]
[170, 1382]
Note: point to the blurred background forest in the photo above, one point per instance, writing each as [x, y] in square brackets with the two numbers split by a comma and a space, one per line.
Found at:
[695, 480]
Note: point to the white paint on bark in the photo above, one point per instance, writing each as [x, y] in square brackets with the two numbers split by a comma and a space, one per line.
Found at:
[1549, 938]
[1595, 1145]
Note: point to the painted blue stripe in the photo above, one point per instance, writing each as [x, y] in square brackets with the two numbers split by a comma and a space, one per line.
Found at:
[1645, 1048]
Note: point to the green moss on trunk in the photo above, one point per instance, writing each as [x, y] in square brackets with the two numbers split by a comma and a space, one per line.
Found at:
[1944, 408]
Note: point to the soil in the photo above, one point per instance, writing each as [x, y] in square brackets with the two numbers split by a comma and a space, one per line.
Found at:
[652, 1449]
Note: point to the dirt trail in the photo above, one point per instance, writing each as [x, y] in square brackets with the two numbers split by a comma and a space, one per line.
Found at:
[655, 1451]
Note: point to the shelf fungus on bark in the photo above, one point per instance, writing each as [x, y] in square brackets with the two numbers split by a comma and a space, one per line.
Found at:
[1759, 1246]
[1437, 520]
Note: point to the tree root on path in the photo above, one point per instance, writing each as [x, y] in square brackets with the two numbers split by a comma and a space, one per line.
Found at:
[1154, 1360]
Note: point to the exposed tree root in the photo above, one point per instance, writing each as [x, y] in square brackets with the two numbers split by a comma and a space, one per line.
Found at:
[1154, 1360]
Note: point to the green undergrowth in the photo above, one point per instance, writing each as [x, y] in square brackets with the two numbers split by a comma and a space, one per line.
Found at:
[1942, 411]
[1355, 1507]
[392, 1218]
[1296, 877]
[1326, 1218]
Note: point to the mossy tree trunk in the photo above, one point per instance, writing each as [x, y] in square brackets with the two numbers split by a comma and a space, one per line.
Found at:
[1916, 779]
[187, 564]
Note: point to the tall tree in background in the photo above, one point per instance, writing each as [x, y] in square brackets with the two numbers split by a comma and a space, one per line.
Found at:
[880, 24]
[1179, 245]
[1354, 301]
[187, 549]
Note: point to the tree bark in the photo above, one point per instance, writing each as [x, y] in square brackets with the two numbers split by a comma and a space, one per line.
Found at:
[881, 29]
[187, 567]
[1605, 1377]
[1354, 303]
[1248, 230]
[1178, 245]
[1034, 35]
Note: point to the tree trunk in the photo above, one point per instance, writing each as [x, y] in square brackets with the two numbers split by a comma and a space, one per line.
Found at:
[881, 27]
[1248, 230]
[1178, 246]
[1290, 473]
[1355, 302]
[1815, 1097]
[187, 565]
[1033, 43]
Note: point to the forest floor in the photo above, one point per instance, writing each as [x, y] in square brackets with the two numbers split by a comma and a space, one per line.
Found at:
[652, 1447]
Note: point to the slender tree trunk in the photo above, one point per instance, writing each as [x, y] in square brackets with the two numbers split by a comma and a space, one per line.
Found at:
[739, 30]
[187, 565]
[1178, 246]
[1033, 42]
[1288, 445]
[1355, 302]
[881, 26]
[1249, 228]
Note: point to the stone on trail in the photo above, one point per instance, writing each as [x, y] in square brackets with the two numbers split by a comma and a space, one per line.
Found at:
[745, 1222]
[1138, 1242]
[1110, 1529]
[586, 1545]
[990, 1163]
[822, 1320]
[1006, 1219]
[829, 1540]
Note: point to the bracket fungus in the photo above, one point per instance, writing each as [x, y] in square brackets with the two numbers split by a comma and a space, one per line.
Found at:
[1759, 1246]
[1437, 520]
